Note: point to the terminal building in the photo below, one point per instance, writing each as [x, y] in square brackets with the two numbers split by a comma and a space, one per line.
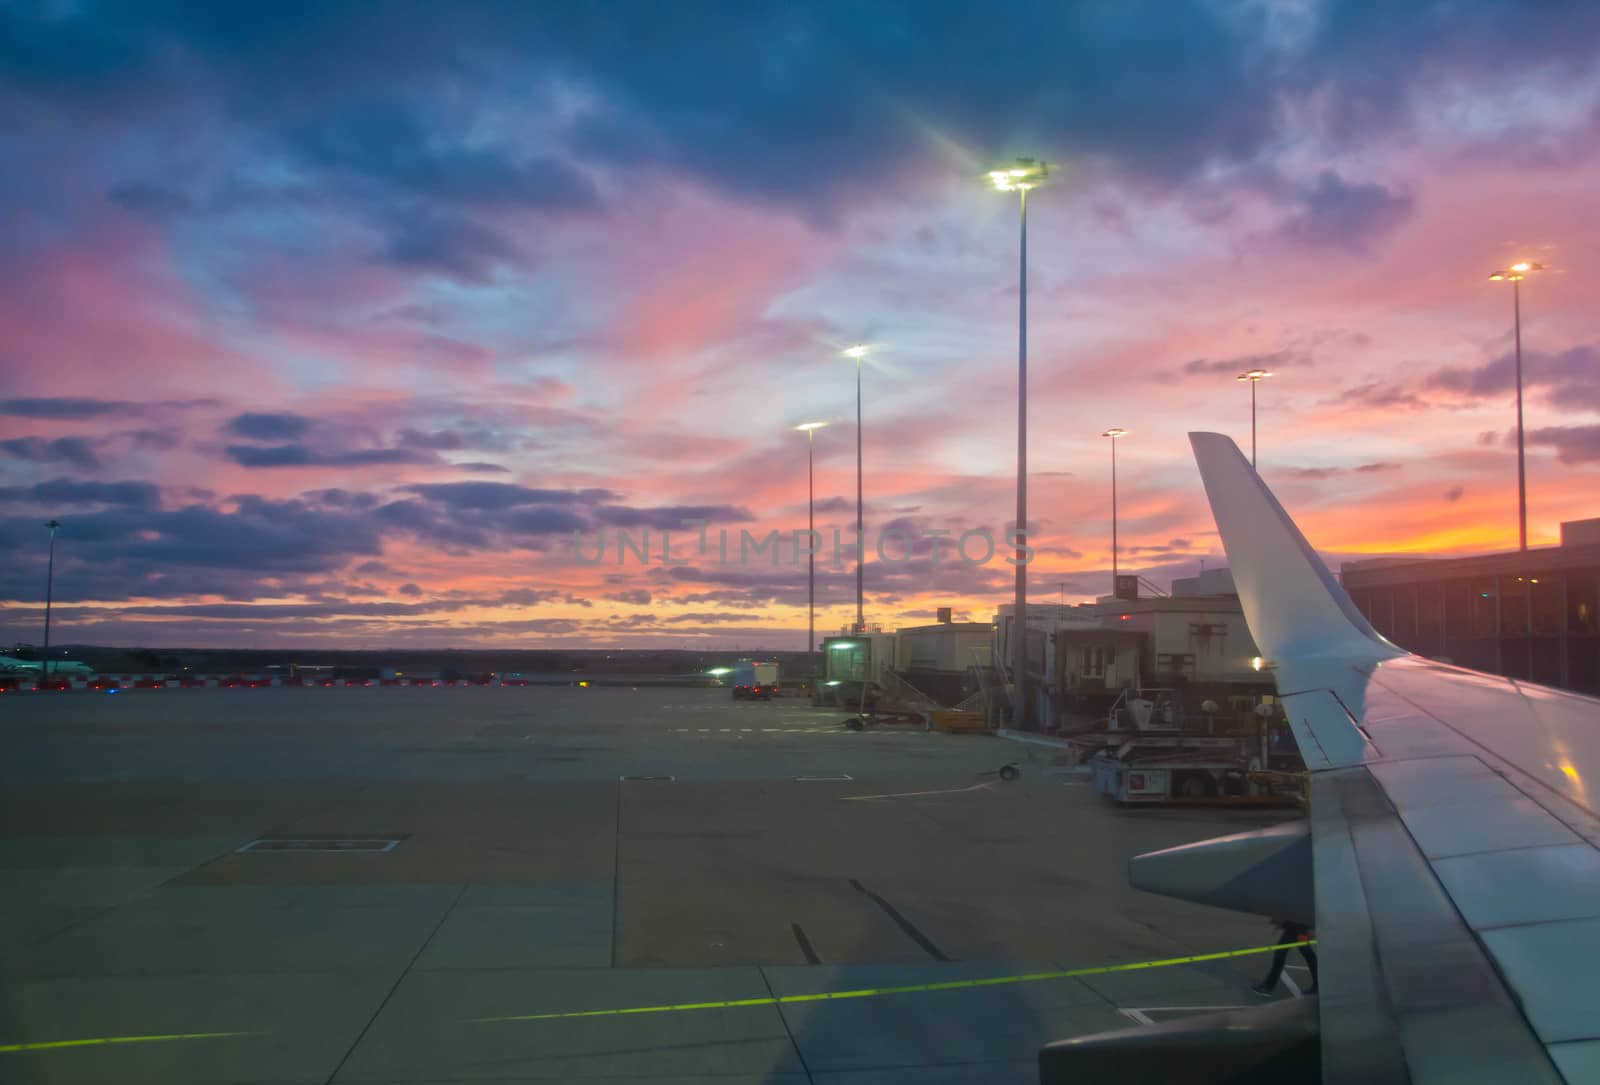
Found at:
[937, 661]
[1192, 645]
[1524, 614]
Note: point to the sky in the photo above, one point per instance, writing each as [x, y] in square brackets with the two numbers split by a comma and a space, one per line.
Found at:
[364, 325]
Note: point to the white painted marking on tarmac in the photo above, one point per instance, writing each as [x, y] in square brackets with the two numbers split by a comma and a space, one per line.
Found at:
[814, 779]
[1141, 1014]
[724, 730]
[746, 729]
[916, 794]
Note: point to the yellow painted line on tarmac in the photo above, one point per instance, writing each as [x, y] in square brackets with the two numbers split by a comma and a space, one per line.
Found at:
[918, 794]
[916, 988]
[98, 1041]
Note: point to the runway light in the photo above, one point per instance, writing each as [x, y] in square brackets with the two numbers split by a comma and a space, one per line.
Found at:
[583, 685]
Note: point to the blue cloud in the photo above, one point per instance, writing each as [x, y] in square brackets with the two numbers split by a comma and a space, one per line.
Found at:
[503, 495]
[64, 491]
[809, 106]
[89, 407]
[299, 455]
[1339, 212]
[77, 451]
[454, 244]
[147, 199]
[269, 427]
[391, 142]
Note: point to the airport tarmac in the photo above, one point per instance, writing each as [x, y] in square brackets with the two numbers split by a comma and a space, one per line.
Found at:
[437, 857]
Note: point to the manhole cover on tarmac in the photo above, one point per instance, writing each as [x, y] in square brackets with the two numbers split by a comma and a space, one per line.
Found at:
[300, 846]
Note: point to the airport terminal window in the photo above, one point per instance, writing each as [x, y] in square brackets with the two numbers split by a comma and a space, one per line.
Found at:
[848, 664]
[1457, 608]
[1581, 602]
[1405, 613]
[1379, 610]
[1430, 612]
[1363, 602]
[1545, 604]
[1544, 660]
[1583, 664]
[1485, 597]
[1513, 605]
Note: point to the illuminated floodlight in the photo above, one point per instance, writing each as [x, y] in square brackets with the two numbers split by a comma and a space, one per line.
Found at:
[1026, 174]
[841, 646]
[857, 352]
[1255, 375]
[1115, 431]
[1516, 271]
[807, 427]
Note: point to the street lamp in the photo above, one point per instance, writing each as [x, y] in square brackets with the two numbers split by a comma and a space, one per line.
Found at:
[1114, 432]
[1514, 275]
[1021, 178]
[810, 430]
[49, 587]
[1255, 377]
[858, 353]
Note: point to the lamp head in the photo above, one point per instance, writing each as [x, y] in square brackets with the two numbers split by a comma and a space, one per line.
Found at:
[1024, 175]
[1516, 271]
[1255, 375]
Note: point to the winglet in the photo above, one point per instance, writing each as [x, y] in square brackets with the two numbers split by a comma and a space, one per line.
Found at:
[1295, 609]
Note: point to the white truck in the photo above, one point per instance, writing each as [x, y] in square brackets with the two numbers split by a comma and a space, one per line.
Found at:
[754, 681]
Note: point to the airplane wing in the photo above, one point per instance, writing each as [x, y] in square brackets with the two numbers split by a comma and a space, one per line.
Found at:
[1455, 881]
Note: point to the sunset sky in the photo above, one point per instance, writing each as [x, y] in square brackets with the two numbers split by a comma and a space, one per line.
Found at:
[330, 323]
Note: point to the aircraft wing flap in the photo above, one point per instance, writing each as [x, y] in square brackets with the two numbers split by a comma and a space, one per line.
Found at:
[1547, 965]
[1408, 970]
[1578, 1060]
[1504, 849]
[1360, 1042]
